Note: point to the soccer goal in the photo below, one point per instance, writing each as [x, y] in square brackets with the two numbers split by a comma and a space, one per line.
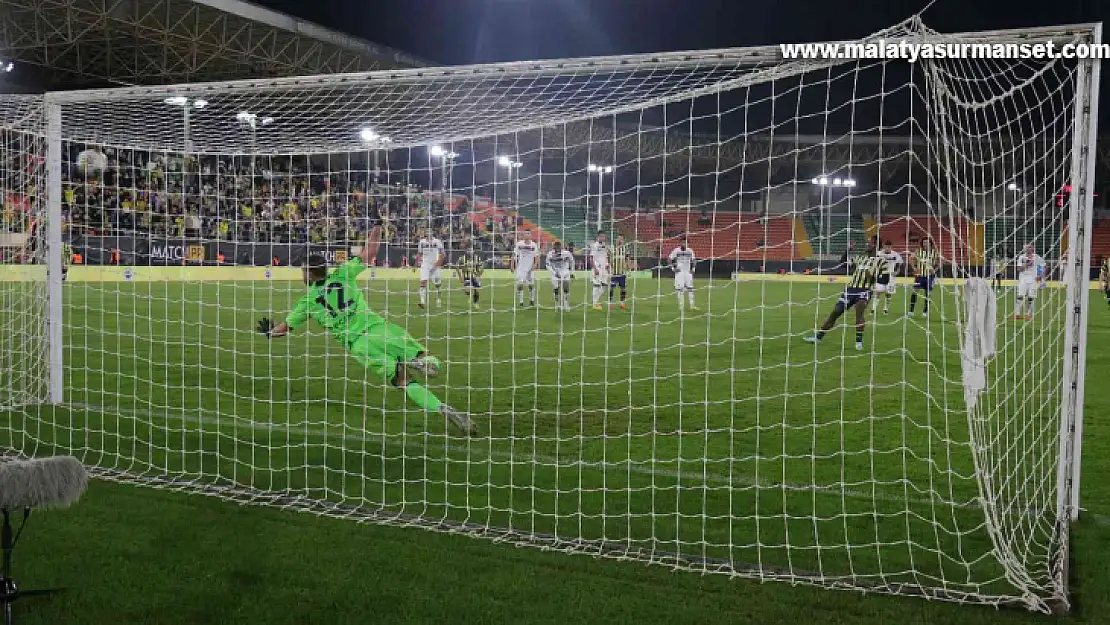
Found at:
[677, 393]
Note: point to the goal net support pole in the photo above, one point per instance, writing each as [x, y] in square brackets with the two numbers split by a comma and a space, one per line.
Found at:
[54, 308]
[1080, 236]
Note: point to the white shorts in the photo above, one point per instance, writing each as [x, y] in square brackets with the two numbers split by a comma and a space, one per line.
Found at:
[601, 278]
[1027, 288]
[525, 277]
[559, 277]
[683, 281]
[889, 287]
[430, 274]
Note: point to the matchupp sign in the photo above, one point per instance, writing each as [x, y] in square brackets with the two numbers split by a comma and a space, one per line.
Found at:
[168, 251]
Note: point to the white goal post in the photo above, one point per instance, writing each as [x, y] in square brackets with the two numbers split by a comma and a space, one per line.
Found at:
[713, 420]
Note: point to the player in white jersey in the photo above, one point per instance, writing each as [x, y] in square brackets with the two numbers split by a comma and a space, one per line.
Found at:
[431, 253]
[524, 261]
[886, 282]
[598, 254]
[1030, 277]
[560, 263]
[682, 262]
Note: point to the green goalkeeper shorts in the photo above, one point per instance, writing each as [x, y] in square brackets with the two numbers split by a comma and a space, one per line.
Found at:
[382, 347]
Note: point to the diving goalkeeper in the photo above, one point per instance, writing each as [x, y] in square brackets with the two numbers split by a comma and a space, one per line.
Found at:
[334, 300]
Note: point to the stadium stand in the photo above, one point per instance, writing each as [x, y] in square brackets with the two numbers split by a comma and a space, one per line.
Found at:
[1100, 240]
[843, 231]
[565, 222]
[725, 236]
[1008, 235]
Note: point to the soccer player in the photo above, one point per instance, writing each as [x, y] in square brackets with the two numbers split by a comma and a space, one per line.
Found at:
[334, 300]
[431, 253]
[1030, 277]
[620, 260]
[1104, 278]
[682, 261]
[560, 263]
[470, 268]
[886, 282]
[865, 269]
[523, 263]
[996, 270]
[598, 254]
[67, 259]
[924, 263]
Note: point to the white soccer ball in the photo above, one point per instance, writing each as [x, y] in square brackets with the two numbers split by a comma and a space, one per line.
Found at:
[91, 162]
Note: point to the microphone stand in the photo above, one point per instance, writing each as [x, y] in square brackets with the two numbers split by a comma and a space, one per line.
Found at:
[9, 591]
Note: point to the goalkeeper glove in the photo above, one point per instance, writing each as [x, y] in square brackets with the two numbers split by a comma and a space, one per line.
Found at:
[265, 325]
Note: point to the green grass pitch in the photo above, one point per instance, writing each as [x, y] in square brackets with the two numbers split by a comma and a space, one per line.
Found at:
[709, 437]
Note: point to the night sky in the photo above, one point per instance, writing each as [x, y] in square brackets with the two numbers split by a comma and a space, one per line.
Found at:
[476, 31]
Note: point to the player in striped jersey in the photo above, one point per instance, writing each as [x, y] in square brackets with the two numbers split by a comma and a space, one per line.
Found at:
[620, 261]
[865, 269]
[469, 270]
[925, 262]
[1104, 278]
[997, 268]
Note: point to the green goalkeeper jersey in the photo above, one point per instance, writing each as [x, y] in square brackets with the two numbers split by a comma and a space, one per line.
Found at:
[336, 302]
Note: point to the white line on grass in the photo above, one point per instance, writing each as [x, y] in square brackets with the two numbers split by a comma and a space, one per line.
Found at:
[197, 417]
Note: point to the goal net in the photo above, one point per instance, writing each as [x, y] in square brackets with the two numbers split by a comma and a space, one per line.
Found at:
[695, 428]
[23, 311]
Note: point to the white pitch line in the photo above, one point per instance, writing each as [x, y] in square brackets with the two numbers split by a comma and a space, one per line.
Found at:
[348, 433]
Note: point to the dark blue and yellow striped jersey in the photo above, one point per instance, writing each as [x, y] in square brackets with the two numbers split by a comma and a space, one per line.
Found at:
[1104, 271]
[926, 261]
[865, 270]
[470, 266]
[619, 259]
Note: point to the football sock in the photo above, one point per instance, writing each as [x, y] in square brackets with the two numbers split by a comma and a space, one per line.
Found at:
[422, 397]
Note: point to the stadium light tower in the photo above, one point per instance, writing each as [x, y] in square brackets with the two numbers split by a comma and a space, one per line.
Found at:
[252, 121]
[446, 163]
[187, 106]
[512, 165]
[825, 184]
[375, 142]
[600, 170]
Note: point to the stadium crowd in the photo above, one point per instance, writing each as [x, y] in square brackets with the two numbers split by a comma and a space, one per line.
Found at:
[238, 198]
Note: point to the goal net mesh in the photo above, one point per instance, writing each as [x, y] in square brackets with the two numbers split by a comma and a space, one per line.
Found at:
[711, 439]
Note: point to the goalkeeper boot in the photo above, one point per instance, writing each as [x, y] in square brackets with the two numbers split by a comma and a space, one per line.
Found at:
[859, 346]
[812, 339]
[428, 365]
[460, 420]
